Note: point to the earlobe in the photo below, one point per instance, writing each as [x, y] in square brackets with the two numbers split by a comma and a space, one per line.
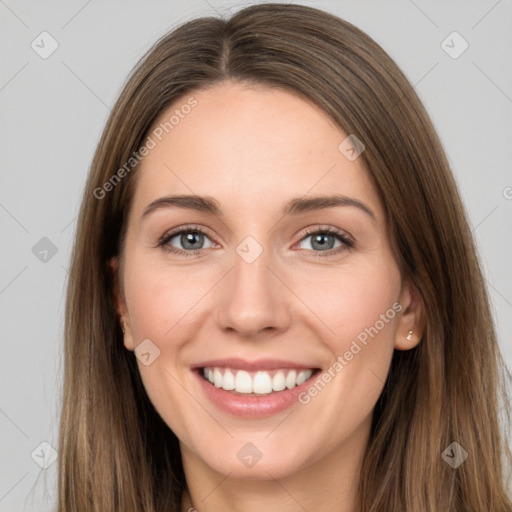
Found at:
[411, 323]
[127, 335]
[120, 304]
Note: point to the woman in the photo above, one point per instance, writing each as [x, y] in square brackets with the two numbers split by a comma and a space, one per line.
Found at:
[275, 301]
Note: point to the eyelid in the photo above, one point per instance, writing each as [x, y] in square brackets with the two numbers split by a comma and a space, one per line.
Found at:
[185, 227]
[326, 228]
[168, 235]
[347, 241]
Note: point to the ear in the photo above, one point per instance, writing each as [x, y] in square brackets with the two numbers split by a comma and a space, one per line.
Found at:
[120, 304]
[411, 322]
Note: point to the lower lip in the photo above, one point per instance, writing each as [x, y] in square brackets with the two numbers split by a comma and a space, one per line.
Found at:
[252, 406]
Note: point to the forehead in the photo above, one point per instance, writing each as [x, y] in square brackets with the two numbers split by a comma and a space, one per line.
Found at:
[248, 146]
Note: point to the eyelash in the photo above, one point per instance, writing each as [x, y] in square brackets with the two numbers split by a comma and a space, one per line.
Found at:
[347, 242]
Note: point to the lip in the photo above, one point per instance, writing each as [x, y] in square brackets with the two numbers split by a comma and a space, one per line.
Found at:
[251, 366]
[251, 406]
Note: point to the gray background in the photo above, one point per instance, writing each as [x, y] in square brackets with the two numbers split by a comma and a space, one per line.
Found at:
[54, 109]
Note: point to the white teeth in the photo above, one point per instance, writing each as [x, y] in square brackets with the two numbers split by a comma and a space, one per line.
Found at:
[243, 382]
[301, 378]
[278, 381]
[229, 381]
[217, 378]
[260, 382]
[307, 375]
[291, 379]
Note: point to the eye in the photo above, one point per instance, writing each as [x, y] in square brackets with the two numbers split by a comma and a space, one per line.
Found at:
[327, 240]
[188, 241]
[191, 240]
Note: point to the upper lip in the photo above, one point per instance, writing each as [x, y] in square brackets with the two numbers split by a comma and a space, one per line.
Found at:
[248, 365]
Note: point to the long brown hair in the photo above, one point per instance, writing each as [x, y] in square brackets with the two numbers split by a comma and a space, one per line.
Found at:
[116, 453]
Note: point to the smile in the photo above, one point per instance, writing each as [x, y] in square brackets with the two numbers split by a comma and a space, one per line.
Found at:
[260, 382]
[252, 389]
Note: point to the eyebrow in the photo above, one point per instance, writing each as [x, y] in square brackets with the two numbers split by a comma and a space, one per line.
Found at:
[297, 205]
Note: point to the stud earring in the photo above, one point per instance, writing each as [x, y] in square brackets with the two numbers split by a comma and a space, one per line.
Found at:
[409, 336]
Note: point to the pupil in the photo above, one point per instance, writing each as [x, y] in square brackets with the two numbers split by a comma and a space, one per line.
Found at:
[188, 240]
[321, 241]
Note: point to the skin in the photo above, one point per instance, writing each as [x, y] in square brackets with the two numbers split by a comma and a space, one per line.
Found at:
[253, 149]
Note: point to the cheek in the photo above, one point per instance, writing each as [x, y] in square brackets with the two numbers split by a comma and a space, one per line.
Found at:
[356, 301]
[160, 299]
[166, 306]
[357, 309]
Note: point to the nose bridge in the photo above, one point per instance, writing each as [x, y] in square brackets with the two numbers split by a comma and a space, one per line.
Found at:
[253, 298]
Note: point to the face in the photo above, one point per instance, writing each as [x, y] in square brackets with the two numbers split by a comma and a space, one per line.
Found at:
[264, 312]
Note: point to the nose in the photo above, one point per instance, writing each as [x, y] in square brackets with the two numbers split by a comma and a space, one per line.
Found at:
[253, 300]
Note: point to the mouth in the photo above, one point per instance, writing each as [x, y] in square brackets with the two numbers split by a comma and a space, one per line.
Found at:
[255, 389]
[255, 383]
